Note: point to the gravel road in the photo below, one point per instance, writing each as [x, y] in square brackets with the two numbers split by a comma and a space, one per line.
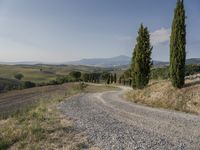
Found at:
[113, 123]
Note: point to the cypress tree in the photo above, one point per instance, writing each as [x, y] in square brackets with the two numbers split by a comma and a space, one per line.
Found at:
[124, 81]
[141, 60]
[130, 82]
[120, 80]
[111, 78]
[132, 69]
[115, 78]
[108, 80]
[177, 46]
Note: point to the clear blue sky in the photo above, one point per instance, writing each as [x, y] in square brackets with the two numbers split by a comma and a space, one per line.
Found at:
[65, 30]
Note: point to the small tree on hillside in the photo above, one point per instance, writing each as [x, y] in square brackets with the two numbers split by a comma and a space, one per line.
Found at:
[85, 77]
[108, 80]
[75, 74]
[120, 80]
[111, 78]
[177, 46]
[141, 60]
[105, 76]
[19, 76]
[28, 84]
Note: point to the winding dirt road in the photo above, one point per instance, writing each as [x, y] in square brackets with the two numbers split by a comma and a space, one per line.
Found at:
[113, 123]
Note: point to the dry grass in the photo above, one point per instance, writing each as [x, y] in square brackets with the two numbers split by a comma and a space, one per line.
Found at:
[43, 126]
[17, 100]
[161, 94]
[100, 88]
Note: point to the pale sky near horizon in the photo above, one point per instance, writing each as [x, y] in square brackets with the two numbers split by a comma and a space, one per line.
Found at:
[66, 30]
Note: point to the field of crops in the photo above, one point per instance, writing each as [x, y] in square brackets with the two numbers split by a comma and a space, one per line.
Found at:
[13, 101]
[40, 73]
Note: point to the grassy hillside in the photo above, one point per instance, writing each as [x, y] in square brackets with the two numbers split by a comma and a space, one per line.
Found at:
[161, 94]
[40, 73]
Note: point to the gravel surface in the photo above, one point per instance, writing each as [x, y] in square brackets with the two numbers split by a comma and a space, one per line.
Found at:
[113, 123]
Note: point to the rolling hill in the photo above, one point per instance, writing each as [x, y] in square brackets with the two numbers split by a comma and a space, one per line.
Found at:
[121, 61]
[103, 62]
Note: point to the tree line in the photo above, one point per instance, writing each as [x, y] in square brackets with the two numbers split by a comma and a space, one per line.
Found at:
[73, 76]
[90, 77]
[106, 77]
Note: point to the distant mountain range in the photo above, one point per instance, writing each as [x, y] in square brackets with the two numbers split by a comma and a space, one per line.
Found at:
[121, 61]
[103, 62]
[21, 63]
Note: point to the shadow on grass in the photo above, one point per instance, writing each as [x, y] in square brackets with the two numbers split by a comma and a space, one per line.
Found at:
[192, 84]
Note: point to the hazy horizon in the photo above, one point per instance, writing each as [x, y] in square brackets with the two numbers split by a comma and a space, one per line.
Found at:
[68, 30]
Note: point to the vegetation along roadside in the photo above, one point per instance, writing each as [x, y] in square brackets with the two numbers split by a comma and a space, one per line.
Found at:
[43, 127]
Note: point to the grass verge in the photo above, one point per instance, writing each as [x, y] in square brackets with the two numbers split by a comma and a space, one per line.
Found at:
[43, 126]
[161, 94]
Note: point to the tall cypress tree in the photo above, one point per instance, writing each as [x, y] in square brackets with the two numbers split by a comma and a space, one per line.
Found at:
[108, 80]
[120, 80]
[111, 78]
[141, 60]
[115, 78]
[177, 46]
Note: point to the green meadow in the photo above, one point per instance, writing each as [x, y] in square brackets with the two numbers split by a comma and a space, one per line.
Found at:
[40, 73]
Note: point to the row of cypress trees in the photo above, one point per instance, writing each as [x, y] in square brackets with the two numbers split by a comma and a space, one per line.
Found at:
[141, 59]
[112, 78]
[91, 77]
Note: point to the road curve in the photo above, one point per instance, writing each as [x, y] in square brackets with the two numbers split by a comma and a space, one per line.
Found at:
[113, 123]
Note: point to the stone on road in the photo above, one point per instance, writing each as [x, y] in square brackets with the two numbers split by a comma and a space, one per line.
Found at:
[113, 123]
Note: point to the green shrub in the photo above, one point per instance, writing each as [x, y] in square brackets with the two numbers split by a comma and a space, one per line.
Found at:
[160, 73]
[192, 69]
[85, 77]
[82, 85]
[28, 84]
[18, 76]
[9, 84]
[76, 75]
